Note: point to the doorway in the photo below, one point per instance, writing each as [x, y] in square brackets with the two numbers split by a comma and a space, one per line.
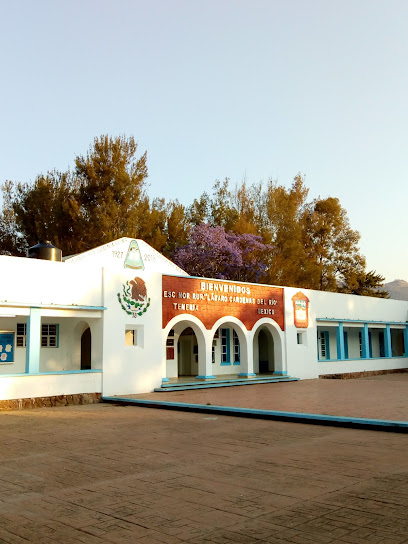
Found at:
[86, 349]
[266, 352]
[187, 353]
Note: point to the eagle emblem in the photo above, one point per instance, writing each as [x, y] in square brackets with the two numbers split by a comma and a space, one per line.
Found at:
[134, 299]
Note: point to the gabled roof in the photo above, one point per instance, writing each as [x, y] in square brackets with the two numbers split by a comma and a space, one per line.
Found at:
[127, 253]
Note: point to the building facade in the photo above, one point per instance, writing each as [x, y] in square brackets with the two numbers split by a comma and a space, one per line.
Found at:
[121, 319]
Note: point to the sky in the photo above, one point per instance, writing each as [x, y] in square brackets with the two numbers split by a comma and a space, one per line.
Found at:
[244, 89]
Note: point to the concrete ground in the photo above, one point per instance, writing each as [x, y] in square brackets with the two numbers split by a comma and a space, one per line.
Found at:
[105, 473]
[375, 397]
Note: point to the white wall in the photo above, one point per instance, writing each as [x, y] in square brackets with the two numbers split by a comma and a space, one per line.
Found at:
[37, 282]
[131, 369]
[303, 361]
[49, 385]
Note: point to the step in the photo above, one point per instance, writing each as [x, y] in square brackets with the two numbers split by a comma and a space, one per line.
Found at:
[251, 379]
[220, 383]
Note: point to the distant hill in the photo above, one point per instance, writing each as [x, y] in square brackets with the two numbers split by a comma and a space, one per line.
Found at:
[397, 289]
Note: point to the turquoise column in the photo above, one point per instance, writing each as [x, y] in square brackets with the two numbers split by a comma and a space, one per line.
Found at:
[33, 344]
[387, 342]
[365, 342]
[406, 341]
[340, 342]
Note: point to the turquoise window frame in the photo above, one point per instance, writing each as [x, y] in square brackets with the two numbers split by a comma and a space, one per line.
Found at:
[346, 347]
[236, 344]
[225, 356]
[326, 336]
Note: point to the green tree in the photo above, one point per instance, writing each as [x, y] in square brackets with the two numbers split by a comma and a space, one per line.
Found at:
[284, 209]
[103, 199]
[11, 242]
[48, 209]
[198, 212]
[150, 222]
[177, 228]
[248, 203]
[369, 284]
[112, 189]
[332, 245]
[222, 212]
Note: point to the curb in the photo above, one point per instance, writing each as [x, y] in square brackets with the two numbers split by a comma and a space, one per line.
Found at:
[295, 417]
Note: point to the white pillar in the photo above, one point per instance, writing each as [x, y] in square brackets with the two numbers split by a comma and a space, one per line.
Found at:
[33, 341]
[247, 356]
[205, 370]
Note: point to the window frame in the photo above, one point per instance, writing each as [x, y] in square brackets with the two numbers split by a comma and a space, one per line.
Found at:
[236, 348]
[225, 347]
[49, 338]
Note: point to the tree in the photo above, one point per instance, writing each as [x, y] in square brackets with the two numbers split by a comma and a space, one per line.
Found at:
[249, 233]
[222, 212]
[48, 209]
[248, 203]
[198, 211]
[213, 252]
[112, 189]
[177, 227]
[103, 199]
[331, 245]
[255, 256]
[11, 242]
[368, 284]
[284, 209]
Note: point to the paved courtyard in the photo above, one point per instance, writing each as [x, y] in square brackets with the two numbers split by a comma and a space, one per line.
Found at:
[105, 473]
[375, 397]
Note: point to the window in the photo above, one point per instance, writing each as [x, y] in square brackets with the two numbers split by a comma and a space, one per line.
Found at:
[381, 341]
[370, 345]
[21, 335]
[235, 341]
[49, 335]
[324, 346]
[134, 336]
[346, 349]
[225, 347]
[130, 337]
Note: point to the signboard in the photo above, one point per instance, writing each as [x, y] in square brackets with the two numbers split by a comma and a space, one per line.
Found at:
[6, 347]
[301, 310]
[209, 300]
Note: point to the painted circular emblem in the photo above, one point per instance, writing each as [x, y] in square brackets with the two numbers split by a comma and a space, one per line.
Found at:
[134, 299]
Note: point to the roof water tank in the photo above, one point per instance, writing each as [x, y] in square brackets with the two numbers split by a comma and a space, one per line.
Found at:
[45, 250]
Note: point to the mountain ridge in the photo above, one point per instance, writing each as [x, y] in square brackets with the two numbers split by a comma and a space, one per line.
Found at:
[397, 289]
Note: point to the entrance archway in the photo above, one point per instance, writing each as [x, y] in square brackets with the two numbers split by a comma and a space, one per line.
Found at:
[81, 346]
[268, 347]
[229, 347]
[195, 353]
[187, 353]
[266, 352]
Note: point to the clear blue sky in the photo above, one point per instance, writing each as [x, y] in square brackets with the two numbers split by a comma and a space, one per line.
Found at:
[254, 89]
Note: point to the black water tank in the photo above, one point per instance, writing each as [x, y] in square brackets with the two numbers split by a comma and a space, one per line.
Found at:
[45, 250]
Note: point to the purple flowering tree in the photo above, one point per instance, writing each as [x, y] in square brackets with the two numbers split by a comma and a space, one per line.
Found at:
[212, 252]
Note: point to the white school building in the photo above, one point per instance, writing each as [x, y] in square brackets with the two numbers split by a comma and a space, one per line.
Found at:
[122, 319]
